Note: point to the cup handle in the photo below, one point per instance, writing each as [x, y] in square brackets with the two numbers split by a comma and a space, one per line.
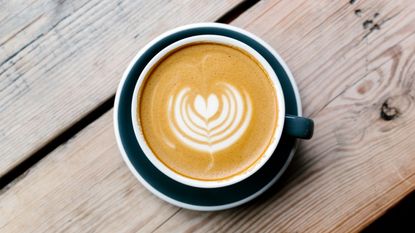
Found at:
[299, 127]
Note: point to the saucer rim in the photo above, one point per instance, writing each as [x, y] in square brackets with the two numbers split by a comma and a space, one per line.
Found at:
[135, 172]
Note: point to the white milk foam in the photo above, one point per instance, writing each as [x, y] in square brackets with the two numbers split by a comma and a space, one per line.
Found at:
[209, 124]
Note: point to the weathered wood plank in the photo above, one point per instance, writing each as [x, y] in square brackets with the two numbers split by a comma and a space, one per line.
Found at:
[326, 44]
[60, 59]
[92, 190]
[359, 88]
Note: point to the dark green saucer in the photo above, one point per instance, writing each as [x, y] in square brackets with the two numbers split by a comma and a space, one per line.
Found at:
[178, 193]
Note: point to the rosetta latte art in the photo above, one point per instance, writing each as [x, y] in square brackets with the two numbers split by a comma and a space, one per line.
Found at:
[210, 123]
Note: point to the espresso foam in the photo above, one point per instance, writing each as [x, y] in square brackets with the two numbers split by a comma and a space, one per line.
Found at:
[208, 111]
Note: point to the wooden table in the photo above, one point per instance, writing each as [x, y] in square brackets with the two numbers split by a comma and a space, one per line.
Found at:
[60, 63]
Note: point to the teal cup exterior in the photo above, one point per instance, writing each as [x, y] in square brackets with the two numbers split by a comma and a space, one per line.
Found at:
[298, 127]
[295, 126]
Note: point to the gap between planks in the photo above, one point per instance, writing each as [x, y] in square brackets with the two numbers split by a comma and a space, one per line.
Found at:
[20, 169]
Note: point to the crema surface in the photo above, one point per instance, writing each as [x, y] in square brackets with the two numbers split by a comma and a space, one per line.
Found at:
[208, 111]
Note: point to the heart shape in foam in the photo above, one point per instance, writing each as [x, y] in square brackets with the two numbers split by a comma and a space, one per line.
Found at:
[208, 108]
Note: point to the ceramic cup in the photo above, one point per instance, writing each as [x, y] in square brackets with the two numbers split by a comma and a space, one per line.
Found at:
[294, 126]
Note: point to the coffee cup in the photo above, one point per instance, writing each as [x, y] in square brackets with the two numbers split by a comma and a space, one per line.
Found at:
[189, 127]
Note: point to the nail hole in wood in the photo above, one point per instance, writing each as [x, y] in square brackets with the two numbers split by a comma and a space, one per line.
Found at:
[368, 23]
[375, 27]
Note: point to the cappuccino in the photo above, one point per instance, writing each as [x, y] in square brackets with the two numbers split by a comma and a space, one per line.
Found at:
[208, 111]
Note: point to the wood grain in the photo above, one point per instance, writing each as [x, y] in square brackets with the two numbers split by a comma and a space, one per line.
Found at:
[325, 43]
[357, 83]
[82, 186]
[60, 59]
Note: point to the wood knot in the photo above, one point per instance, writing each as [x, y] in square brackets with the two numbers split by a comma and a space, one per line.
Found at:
[365, 87]
[388, 112]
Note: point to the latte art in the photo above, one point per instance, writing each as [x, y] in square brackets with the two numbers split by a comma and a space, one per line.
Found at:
[213, 123]
[208, 111]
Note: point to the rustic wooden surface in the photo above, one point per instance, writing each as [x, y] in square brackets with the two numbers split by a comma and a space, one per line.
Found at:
[82, 186]
[60, 59]
[355, 67]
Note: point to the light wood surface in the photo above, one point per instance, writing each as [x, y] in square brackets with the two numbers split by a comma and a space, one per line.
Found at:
[82, 186]
[357, 83]
[61, 59]
[83, 189]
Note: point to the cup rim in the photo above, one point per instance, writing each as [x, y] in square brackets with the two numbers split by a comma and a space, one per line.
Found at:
[215, 183]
